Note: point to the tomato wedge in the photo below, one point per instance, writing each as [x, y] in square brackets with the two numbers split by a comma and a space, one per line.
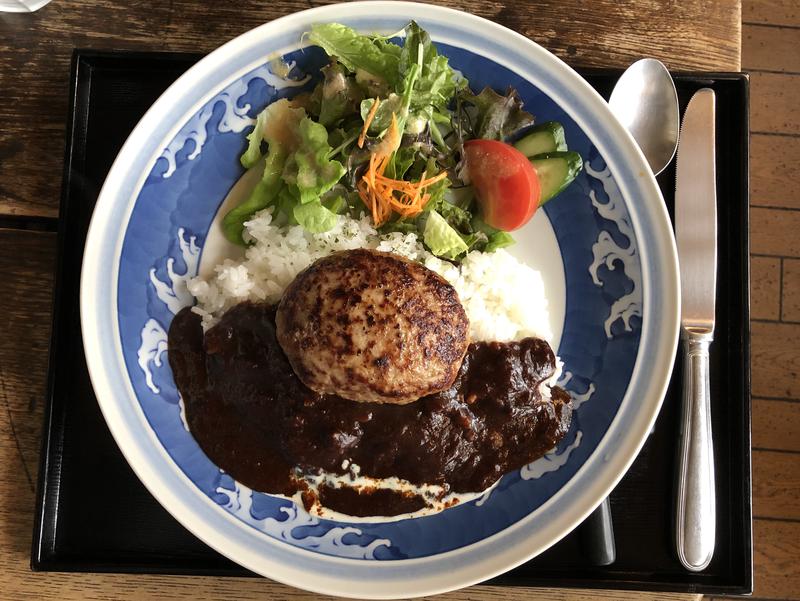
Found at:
[505, 183]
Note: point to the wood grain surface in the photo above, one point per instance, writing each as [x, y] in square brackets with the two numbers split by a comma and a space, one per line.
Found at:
[769, 48]
[771, 12]
[689, 35]
[775, 360]
[773, 102]
[773, 232]
[776, 551]
[776, 425]
[790, 299]
[773, 182]
[35, 50]
[765, 285]
[776, 484]
[771, 52]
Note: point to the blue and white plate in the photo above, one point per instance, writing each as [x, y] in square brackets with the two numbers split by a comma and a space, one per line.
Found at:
[604, 246]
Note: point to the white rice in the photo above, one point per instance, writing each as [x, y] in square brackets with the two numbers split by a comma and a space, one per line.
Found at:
[504, 299]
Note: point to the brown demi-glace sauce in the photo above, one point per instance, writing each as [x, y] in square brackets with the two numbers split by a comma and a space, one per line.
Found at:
[254, 418]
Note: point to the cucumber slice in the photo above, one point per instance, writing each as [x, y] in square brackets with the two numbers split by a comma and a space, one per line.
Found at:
[556, 170]
[546, 137]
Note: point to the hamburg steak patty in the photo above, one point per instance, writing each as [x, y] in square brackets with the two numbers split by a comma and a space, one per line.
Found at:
[372, 326]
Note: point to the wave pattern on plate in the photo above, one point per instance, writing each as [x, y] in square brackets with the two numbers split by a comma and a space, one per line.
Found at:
[609, 252]
[235, 118]
[175, 296]
[550, 462]
[295, 521]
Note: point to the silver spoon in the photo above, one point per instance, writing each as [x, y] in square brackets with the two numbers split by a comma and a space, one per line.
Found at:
[646, 103]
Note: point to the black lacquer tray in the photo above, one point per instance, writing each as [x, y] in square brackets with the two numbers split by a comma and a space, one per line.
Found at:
[119, 527]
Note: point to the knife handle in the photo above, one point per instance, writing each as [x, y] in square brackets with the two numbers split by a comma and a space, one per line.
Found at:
[695, 522]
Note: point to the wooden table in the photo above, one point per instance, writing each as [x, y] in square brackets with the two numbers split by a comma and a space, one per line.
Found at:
[34, 82]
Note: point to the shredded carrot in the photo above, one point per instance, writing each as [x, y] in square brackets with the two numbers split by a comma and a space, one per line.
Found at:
[434, 179]
[383, 195]
[370, 116]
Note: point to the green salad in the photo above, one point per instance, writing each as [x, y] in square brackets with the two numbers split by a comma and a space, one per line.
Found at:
[394, 132]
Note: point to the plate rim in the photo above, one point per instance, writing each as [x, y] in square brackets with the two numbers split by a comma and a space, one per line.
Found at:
[286, 571]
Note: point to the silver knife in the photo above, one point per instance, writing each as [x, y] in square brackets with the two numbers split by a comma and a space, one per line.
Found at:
[696, 236]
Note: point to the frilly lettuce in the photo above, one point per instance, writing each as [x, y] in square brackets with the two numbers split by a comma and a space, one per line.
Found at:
[255, 138]
[437, 82]
[276, 125]
[441, 238]
[309, 169]
[498, 117]
[355, 51]
[340, 94]
[297, 170]
[314, 217]
[303, 178]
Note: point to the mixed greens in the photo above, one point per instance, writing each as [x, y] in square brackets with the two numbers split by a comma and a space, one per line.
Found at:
[384, 133]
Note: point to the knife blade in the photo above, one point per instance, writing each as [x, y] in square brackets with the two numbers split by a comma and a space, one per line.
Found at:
[696, 238]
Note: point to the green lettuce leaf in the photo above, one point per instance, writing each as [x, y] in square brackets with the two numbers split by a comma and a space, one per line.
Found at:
[475, 241]
[253, 153]
[262, 196]
[437, 82]
[384, 44]
[314, 217]
[309, 170]
[404, 226]
[401, 162]
[340, 95]
[335, 204]
[497, 240]
[438, 194]
[383, 116]
[276, 125]
[437, 135]
[458, 218]
[343, 140]
[441, 239]
[498, 117]
[494, 238]
[407, 87]
[279, 126]
[355, 51]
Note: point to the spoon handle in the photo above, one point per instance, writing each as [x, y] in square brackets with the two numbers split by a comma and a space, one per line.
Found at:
[597, 536]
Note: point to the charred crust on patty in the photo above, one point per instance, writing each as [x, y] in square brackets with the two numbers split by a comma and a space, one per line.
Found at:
[372, 326]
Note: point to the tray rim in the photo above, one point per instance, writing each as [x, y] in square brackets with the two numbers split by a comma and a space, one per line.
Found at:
[83, 63]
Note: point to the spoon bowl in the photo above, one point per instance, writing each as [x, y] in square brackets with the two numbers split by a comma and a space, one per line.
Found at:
[646, 103]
